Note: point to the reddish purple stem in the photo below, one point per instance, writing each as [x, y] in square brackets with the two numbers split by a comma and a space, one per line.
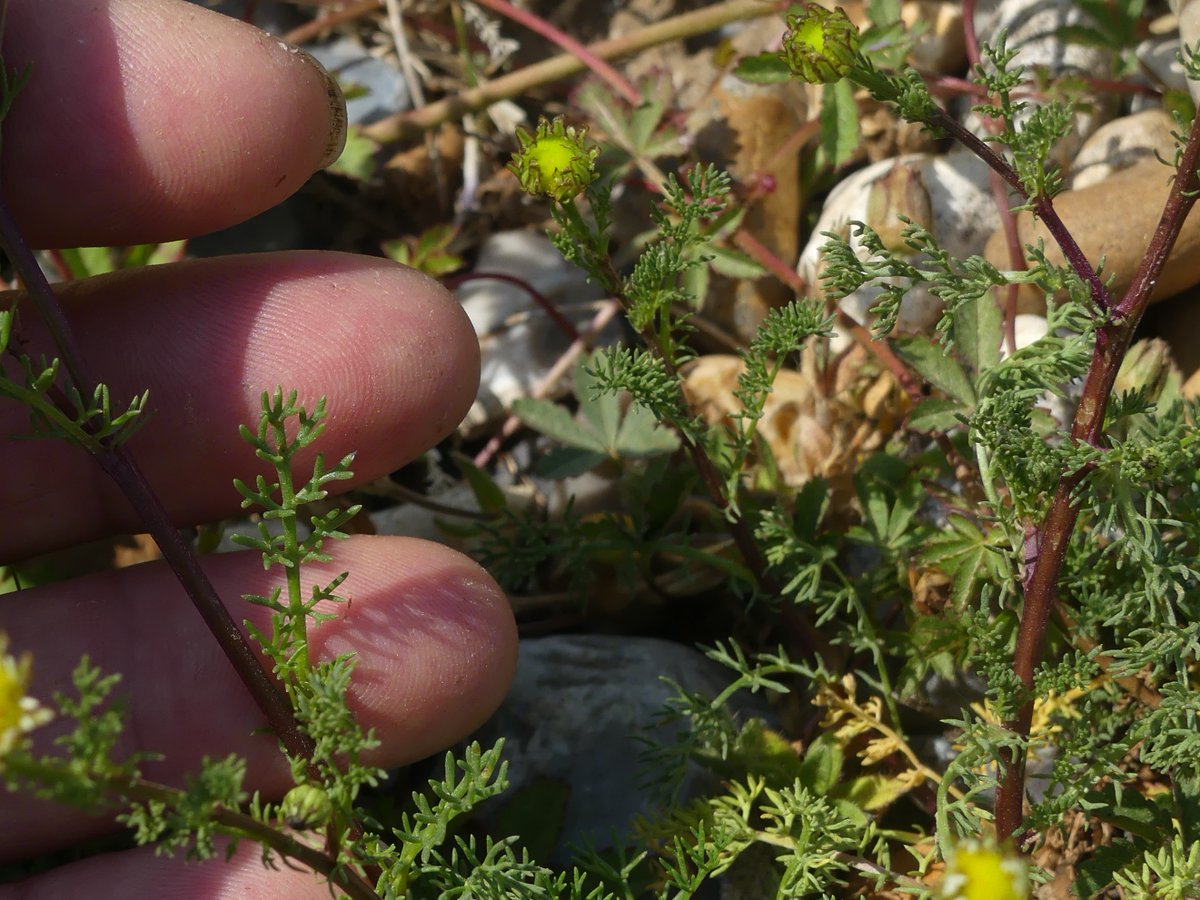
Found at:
[616, 80]
[1049, 543]
[539, 298]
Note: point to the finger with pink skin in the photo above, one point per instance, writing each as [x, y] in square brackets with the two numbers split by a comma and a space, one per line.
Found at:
[433, 635]
[151, 120]
[139, 873]
[391, 349]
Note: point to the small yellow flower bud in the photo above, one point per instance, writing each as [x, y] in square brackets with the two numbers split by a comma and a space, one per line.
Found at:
[305, 807]
[821, 45]
[979, 870]
[556, 162]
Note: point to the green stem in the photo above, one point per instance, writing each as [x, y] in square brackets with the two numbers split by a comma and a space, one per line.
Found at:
[660, 343]
[297, 615]
[230, 822]
[58, 420]
[885, 679]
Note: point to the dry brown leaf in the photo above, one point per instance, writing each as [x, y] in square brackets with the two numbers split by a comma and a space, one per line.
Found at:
[812, 428]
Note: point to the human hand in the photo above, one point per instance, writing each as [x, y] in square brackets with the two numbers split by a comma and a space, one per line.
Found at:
[149, 120]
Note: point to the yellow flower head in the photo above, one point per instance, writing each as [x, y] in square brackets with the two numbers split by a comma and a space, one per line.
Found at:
[555, 162]
[821, 45]
[19, 713]
[979, 870]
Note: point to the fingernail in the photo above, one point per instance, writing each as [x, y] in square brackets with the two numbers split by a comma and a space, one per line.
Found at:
[335, 142]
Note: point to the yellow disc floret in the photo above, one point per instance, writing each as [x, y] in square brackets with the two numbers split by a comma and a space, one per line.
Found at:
[821, 45]
[19, 713]
[555, 162]
[979, 870]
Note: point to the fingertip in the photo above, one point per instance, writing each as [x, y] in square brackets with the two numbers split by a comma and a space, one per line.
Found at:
[431, 634]
[421, 347]
[391, 350]
[151, 120]
[436, 649]
[143, 873]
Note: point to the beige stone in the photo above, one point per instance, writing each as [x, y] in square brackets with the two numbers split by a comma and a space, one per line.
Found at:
[1114, 220]
[946, 194]
[1191, 387]
[1122, 144]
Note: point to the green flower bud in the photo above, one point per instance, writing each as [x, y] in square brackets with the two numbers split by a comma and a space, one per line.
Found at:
[556, 162]
[306, 807]
[821, 45]
[1147, 366]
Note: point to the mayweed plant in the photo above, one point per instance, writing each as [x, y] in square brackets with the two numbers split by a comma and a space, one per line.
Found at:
[1046, 569]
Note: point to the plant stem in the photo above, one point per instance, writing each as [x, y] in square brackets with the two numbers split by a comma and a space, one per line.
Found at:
[297, 615]
[302, 34]
[1016, 256]
[120, 465]
[408, 125]
[1051, 538]
[564, 324]
[117, 461]
[739, 528]
[44, 301]
[231, 822]
[615, 79]
[851, 707]
[1042, 207]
